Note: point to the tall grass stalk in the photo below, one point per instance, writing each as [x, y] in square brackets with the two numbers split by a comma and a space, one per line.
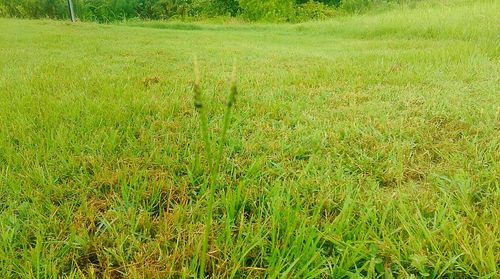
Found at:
[213, 166]
[198, 104]
[227, 116]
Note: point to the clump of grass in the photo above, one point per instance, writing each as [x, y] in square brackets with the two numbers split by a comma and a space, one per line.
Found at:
[214, 165]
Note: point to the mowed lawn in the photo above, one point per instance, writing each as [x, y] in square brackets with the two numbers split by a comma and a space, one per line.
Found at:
[363, 146]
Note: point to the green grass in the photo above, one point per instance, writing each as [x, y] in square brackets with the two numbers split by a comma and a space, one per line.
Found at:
[365, 146]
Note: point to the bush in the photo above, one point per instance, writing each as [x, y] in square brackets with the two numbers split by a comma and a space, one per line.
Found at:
[109, 10]
[32, 8]
[214, 8]
[3, 11]
[314, 11]
[271, 10]
[355, 5]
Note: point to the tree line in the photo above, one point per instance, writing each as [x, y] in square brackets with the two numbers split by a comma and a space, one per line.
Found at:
[113, 10]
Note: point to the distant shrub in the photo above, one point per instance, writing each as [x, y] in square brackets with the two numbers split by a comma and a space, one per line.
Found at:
[33, 8]
[109, 10]
[271, 10]
[355, 5]
[214, 8]
[314, 11]
[3, 11]
[174, 8]
[331, 3]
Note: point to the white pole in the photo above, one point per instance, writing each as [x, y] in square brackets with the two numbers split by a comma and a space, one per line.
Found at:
[71, 11]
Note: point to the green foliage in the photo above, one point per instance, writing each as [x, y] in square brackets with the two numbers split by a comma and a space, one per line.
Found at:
[33, 8]
[356, 5]
[216, 7]
[314, 11]
[270, 10]
[258, 10]
[3, 11]
[108, 10]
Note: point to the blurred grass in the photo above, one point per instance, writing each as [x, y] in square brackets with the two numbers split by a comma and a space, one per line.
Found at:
[362, 146]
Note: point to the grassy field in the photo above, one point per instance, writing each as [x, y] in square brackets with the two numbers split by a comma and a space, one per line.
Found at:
[366, 146]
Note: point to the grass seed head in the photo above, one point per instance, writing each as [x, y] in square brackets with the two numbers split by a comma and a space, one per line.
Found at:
[234, 91]
[198, 104]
